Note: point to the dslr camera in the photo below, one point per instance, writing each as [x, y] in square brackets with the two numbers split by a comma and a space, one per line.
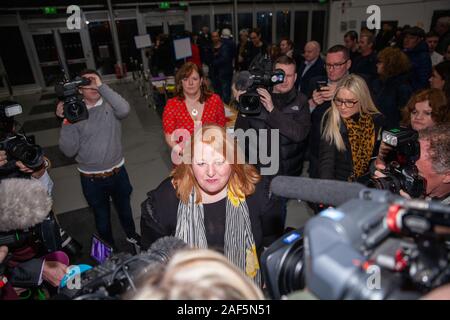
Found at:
[260, 75]
[401, 171]
[74, 108]
[18, 146]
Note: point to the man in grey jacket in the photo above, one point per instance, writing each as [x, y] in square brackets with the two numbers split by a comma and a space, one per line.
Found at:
[96, 143]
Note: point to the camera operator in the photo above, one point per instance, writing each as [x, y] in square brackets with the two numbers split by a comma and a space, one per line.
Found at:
[24, 207]
[285, 109]
[433, 164]
[96, 143]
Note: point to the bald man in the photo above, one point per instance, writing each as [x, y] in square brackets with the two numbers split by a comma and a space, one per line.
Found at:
[312, 67]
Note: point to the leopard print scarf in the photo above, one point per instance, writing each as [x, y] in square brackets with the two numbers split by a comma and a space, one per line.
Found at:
[361, 134]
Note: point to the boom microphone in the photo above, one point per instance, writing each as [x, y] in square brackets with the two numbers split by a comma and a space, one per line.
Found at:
[23, 204]
[330, 192]
[164, 248]
[243, 80]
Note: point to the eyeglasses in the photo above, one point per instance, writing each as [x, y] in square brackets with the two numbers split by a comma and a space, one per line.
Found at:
[346, 103]
[336, 65]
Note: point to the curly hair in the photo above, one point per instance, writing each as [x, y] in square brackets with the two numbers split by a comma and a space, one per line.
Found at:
[437, 101]
[184, 72]
[395, 62]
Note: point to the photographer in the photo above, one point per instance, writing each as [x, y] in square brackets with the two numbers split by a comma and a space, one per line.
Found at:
[433, 164]
[285, 109]
[96, 143]
[17, 168]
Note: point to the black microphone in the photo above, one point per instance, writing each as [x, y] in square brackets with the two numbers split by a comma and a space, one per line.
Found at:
[23, 204]
[243, 81]
[330, 192]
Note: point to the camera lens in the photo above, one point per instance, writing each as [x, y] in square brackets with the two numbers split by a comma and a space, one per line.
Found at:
[29, 154]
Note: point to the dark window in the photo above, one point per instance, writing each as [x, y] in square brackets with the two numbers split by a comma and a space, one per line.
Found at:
[153, 31]
[103, 47]
[245, 21]
[126, 30]
[14, 56]
[73, 51]
[318, 27]
[177, 30]
[283, 24]
[199, 21]
[301, 29]
[222, 21]
[48, 58]
[264, 22]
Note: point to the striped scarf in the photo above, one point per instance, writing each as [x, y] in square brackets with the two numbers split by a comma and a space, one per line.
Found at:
[239, 244]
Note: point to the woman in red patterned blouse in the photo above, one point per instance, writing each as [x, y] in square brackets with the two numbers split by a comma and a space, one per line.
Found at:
[192, 102]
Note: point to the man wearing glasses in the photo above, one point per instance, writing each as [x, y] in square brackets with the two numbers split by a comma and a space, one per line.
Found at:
[337, 65]
[96, 143]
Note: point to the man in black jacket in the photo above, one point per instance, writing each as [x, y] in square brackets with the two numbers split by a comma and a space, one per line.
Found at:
[312, 67]
[284, 109]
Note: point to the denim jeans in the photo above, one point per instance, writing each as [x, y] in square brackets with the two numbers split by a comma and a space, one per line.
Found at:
[99, 191]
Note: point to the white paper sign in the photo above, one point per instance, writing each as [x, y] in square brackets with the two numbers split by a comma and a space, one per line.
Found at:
[143, 41]
[182, 48]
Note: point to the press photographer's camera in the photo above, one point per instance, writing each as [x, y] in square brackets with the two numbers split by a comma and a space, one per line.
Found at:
[74, 108]
[378, 246]
[401, 171]
[18, 146]
[260, 75]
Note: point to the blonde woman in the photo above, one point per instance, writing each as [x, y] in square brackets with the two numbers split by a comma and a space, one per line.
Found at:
[214, 200]
[350, 130]
[198, 275]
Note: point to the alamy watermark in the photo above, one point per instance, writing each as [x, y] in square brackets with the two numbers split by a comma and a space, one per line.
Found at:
[74, 20]
[374, 20]
[259, 142]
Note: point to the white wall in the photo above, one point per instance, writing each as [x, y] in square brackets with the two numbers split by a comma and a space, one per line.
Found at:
[412, 12]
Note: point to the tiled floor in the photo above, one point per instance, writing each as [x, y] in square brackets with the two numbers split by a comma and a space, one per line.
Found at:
[146, 155]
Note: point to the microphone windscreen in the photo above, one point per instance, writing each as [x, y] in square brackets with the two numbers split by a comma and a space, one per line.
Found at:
[330, 192]
[23, 204]
[243, 80]
[164, 248]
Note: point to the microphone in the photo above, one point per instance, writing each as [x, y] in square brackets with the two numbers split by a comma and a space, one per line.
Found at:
[24, 203]
[243, 81]
[164, 248]
[330, 192]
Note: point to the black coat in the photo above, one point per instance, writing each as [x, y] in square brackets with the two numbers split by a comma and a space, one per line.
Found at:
[390, 96]
[291, 116]
[365, 66]
[421, 69]
[317, 69]
[338, 165]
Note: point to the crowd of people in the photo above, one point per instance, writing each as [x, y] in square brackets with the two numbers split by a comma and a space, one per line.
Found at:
[329, 111]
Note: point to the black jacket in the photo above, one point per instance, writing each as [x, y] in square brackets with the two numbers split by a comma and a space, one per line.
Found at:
[390, 96]
[159, 217]
[291, 116]
[420, 60]
[303, 83]
[338, 165]
[365, 66]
